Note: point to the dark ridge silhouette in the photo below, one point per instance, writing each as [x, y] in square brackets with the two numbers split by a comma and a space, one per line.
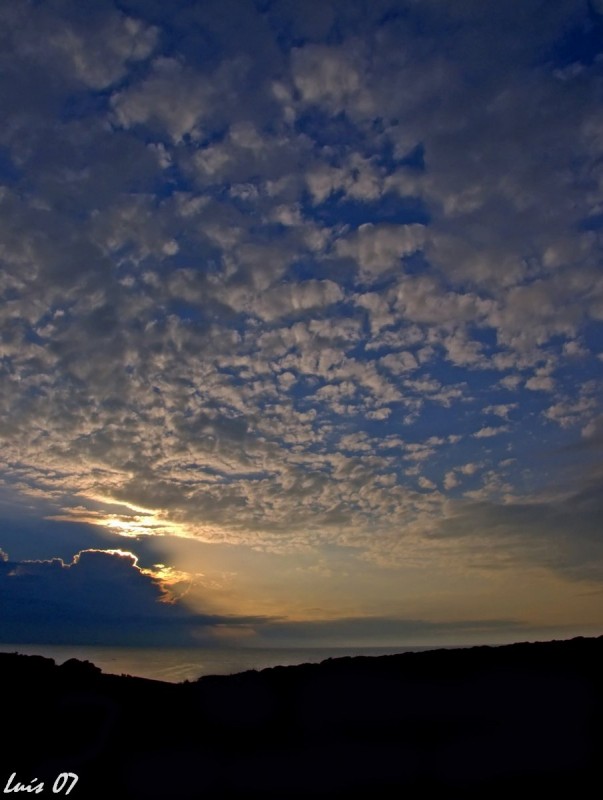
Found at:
[468, 722]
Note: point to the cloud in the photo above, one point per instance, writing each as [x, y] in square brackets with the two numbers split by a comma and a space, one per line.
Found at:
[101, 597]
[450, 480]
[488, 431]
[558, 531]
[171, 96]
[95, 49]
[380, 248]
[540, 383]
[330, 76]
[359, 179]
[101, 60]
[289, 299]
[501, 409]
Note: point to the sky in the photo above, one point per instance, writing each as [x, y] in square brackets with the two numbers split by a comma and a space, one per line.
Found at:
[301, 321]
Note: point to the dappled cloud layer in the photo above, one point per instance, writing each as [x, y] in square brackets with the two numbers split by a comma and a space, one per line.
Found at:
[309, 275]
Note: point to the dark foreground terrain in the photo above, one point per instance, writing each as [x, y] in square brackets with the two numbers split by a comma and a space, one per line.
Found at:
[471, 722]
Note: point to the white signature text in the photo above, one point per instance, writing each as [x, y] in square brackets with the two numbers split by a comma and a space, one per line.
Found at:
[64, 783]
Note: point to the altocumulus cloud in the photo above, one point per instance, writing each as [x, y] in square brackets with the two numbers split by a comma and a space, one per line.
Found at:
[271, 271]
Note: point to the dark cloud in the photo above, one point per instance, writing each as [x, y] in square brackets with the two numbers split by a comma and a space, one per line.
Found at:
[363, 630]
[101, 597]
[562, 533]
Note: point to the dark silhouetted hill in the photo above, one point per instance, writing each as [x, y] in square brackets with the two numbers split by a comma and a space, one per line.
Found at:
[461, 722]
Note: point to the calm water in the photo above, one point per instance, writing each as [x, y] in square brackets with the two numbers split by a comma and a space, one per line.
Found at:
[179, 664]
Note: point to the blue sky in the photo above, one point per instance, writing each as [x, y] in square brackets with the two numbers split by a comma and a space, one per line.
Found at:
[301, 317]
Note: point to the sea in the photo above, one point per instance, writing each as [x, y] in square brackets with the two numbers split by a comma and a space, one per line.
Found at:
[187, 663]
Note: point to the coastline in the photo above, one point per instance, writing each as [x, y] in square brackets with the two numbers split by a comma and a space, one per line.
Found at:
[527, 715]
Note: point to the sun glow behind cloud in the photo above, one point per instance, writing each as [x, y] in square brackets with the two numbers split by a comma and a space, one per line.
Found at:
[132, 521]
